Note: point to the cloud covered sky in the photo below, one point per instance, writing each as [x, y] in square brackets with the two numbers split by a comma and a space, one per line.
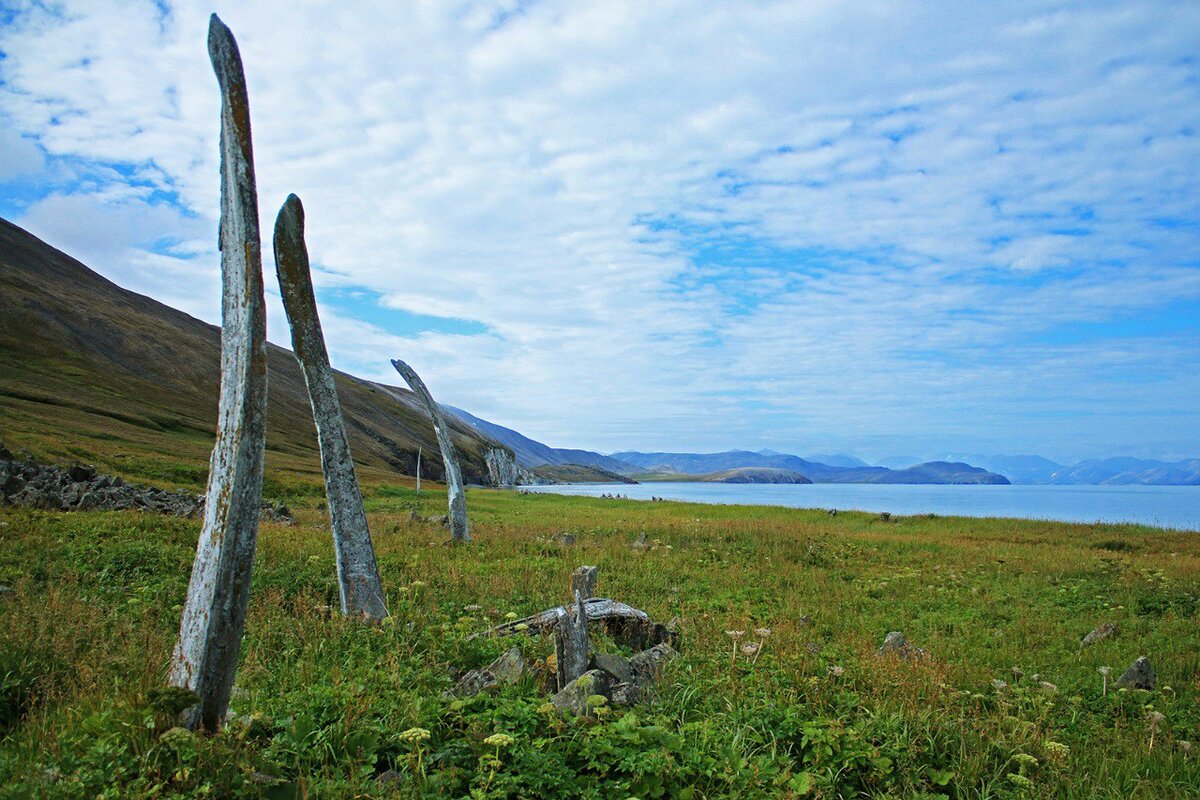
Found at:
[880, 228]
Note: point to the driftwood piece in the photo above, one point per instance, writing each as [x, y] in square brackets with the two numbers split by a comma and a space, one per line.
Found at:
[358, 575]
[454, 489]
[583, 582]
[214, 614]
[571, 647]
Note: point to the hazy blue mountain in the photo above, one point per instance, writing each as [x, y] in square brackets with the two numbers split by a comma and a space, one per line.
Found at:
[1124, 470]
[530, 453]
[942, 472]
[753, 475]
[1034, 469]
[704, 463]
[840, 460]
[900, 462]
[1018, 469]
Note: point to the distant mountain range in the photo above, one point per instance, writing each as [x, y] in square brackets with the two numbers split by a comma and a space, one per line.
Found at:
[530, 453]
[1033, 469]
[753, 475]
[88, 369]
[704, 463]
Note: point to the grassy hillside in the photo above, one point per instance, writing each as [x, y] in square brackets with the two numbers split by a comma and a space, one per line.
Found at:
[93, 372]
[323, 704]
[578, 473]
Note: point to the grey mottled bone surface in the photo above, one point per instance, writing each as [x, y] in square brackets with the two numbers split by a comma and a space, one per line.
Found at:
[598, 609]
[214, 614]
[571, 641]
[583, 581]
[454, 489]
[358, 574]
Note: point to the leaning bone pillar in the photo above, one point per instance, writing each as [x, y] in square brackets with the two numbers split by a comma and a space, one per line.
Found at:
[571, 642]
[358, 574]
[210, 632]
[454, 488]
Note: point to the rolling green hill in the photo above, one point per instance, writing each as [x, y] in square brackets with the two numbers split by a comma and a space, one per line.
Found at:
[93, 372]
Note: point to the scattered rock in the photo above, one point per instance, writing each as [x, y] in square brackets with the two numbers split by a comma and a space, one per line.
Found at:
[616, 666]
[79, 488]
[629, 679]
[507, 669]
[6, 454]
[565, 539]
[574, 697]
[1140, 675]
[33, 485]
[640, 542]
[6, 592]
[647, 665]
[895, 644]
[1105, 631]
[813, 648]
[885, 516]
[413, 516]
[13, 484]
[263, 779]
[279, 513]
[81, 472]
[833, 512]
[389, 777]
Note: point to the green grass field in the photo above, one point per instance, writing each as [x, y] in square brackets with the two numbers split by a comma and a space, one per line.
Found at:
[322, 704]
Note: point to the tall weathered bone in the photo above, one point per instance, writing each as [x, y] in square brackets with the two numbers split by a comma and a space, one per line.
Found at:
[358, 574]
[214, 615]
[454, 487]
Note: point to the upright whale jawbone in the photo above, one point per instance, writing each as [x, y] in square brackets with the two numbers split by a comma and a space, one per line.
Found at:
[457, 499]
[214, 614]
[358, 574]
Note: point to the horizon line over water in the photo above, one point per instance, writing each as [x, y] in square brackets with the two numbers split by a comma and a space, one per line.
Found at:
[1167, 507]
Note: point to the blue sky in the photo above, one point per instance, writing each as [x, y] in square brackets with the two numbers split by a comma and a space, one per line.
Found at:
[809, 226]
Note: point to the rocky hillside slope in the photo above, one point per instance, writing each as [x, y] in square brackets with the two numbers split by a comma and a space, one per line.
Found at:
[90, 371]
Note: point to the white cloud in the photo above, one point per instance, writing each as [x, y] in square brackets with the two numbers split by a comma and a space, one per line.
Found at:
[914, 183]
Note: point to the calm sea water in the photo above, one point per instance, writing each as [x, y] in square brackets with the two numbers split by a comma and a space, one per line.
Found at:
[1162, 506]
